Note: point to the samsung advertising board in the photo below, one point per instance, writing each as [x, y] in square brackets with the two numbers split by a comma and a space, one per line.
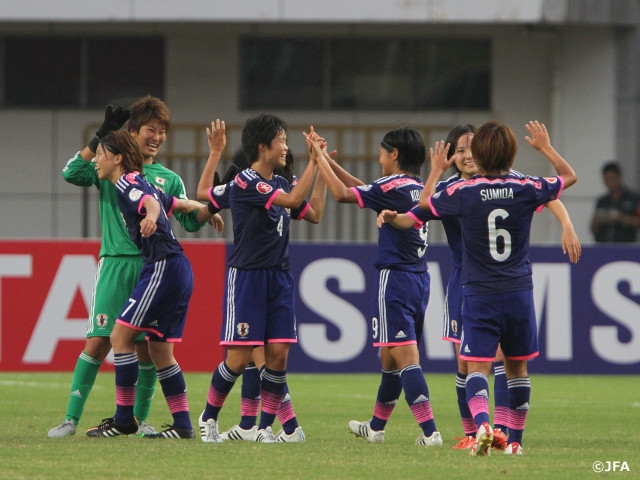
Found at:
[588, 313]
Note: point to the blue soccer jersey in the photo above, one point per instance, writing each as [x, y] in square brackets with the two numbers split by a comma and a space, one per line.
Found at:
[260, 228]
[451, 225]
[495, 214]
[397, 249]
[132, 190]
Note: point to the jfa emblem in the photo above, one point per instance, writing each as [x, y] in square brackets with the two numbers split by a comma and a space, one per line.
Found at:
[101, 318]
[243, 329]
[454, 326]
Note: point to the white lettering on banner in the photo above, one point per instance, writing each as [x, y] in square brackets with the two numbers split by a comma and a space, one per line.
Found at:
[607, 297]
[435, 347]
[13, 266]
[76, 272]
[350, 322]
[552, 294]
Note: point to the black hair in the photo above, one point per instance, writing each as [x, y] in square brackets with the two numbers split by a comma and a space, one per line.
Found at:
[613, 167]
[411, 148]
[260, 130]
[452, 140]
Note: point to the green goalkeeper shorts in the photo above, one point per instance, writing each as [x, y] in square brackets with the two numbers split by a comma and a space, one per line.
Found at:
[116, 278]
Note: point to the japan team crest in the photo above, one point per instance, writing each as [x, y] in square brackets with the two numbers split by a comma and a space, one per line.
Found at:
[454, 326]
[135, 194]
[102, 319]
[243, 329]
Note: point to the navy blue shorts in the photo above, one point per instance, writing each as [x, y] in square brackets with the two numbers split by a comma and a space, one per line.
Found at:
[452, 322]
[506, 319]
[159, 302]
[400, 308]
[259, 307]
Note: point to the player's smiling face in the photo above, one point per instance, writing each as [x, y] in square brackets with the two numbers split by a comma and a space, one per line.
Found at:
[150, 138]
[463, 157]
[278, 151]
[105, 164]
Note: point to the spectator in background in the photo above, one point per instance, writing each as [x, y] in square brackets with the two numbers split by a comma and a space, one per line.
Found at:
[617, 215]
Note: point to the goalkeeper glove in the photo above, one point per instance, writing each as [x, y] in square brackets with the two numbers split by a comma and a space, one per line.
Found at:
[113, 120]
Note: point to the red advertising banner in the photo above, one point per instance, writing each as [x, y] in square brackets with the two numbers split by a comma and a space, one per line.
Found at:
[45, 292]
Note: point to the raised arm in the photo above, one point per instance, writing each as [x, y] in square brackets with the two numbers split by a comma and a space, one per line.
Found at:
[341, 192]
[217, 139]
[298, 193]
[439, 165]
[538, 138]
[317, 201]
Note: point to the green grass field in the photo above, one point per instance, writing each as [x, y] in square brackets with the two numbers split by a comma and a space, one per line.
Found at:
[573, 422]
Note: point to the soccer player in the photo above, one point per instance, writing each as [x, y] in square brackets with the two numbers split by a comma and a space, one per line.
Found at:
[159, 302]
[457, 152]
[246, 429]
[250, 392]
[402, 285]
[120, 260]
[259, 293]
[495, 210]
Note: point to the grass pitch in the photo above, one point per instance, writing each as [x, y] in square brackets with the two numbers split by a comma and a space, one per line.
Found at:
[574, 421]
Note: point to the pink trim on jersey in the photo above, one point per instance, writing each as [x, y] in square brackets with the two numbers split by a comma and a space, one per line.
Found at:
[398, 182]
[501, 180]
[212, 198]
[417, 223]
[433, 210]
[358, 196]
[141, 203]
[394, 344]
[303, 212]
[173, 205]
[272, 198]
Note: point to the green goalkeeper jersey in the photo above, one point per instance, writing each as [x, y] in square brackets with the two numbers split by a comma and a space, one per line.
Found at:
[115, 237]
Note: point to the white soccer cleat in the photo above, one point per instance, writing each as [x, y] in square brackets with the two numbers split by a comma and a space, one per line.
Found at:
[209, 430]
[265, 435]
[237, 433]
[363, 429]
[435, 440]
[65, 429]
[514, 448]
[297, 436]
[145, 429]
[484, 439]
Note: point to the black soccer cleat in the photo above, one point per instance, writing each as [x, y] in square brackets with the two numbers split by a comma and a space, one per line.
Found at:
[109, 428]
[173, 432]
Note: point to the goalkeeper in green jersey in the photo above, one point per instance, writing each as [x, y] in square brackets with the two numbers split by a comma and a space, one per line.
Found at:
[120, 260]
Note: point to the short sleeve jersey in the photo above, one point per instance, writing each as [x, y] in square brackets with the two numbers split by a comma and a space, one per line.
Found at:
[495, 214]
[132, 190]
[260, 228]
[397, 249]
[115, 240]
[451, 225]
